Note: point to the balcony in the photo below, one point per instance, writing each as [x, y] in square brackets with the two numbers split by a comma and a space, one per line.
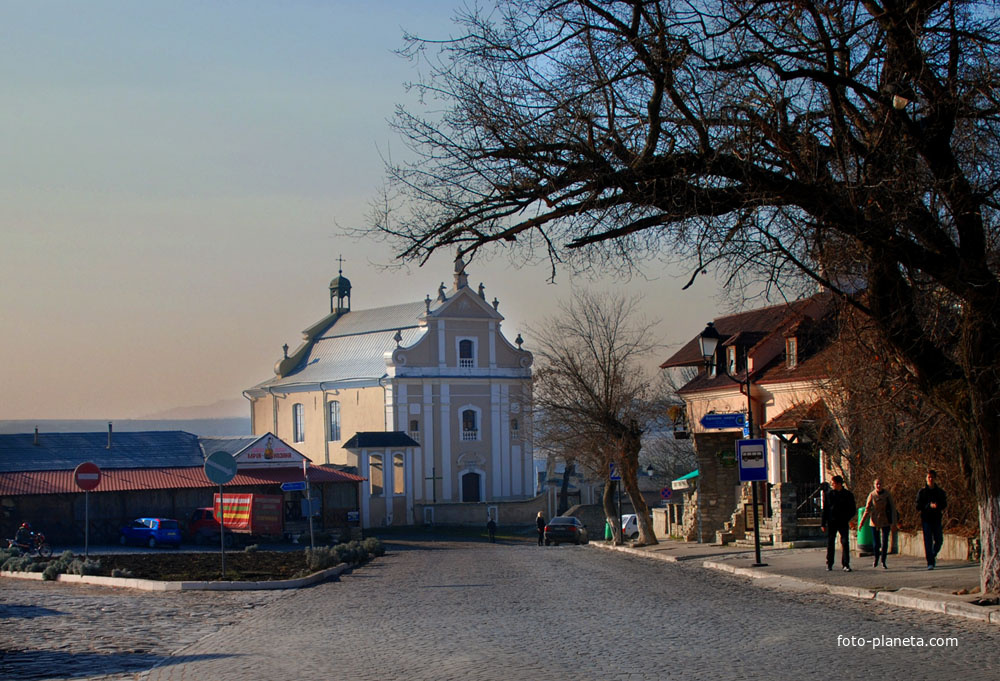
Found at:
[470, 435]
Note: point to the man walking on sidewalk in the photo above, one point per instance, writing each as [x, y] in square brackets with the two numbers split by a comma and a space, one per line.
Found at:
[931, 502]
[839, 509]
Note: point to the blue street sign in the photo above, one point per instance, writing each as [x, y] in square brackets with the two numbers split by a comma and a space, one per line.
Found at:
[752, 456]
[615, 475]
[722, 421]
[220, 467]
[299, 486]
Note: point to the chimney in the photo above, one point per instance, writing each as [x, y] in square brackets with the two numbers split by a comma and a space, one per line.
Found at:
[36, 436]
[109, 434]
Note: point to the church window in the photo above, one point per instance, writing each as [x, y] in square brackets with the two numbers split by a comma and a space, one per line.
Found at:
[398, 475]
[470, 424]
[298, 423]
[376, 478]
[415, 429]
[515, 427]
[334, 409]
[466, 353]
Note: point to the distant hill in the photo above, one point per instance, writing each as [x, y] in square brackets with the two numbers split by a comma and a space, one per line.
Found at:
[204, 427]
[223, 409]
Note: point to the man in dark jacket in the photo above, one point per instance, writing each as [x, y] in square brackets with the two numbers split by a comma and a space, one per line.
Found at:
[839, 509]
[931, 501]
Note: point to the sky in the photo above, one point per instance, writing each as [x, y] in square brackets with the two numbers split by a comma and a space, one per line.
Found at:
[175, 182]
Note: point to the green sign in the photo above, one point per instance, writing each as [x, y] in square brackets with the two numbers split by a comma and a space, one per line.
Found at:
[728, 458]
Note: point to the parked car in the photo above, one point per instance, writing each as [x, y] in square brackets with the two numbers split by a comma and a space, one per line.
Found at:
[152, 532]
[565, 529]
[630, 525]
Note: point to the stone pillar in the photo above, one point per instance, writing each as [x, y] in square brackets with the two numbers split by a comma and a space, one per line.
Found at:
[718, 480]
[784, 501]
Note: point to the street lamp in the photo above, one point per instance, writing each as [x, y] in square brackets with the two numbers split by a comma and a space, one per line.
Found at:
[708, 340]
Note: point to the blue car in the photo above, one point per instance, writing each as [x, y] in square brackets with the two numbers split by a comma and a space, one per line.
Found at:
[152, 532]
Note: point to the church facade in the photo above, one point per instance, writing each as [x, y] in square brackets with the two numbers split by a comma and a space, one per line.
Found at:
[427, 400]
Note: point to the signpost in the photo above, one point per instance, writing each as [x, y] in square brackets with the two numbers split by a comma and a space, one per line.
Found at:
[615, 476]
[666, 493]
[723, 420]
[752, 457]
[220, 468]
[87, 477]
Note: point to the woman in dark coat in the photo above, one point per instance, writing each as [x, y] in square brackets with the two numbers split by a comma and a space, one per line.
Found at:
[540, 523]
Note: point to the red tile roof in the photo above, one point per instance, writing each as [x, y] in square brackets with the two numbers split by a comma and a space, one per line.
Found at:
[792, 418]
[135, 479]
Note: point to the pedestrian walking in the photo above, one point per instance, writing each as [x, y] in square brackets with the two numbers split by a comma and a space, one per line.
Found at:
[931, 502]
[491, 527]
[540, 524]
[839, 509]
[880, 512]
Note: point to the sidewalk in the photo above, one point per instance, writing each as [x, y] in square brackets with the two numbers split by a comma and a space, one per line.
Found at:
[907, 582]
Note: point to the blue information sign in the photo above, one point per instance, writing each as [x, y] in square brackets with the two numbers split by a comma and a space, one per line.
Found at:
[299, 486]
[722, 420]
[615, 475]
[752, 456]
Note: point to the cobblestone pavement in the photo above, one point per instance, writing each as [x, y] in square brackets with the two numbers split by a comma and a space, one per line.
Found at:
[480, 611]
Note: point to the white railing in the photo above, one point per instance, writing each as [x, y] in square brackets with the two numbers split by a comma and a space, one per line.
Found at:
[466, 363]
[468, 435]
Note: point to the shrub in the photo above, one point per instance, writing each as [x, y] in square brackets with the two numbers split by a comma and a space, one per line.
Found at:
[50, 572]
[84, 567]
[252, 548]
[322, 557]
[121, 572]
[373, 546]
[17, 563]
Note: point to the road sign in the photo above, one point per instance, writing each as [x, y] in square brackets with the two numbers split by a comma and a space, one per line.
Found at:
[87, 476]
[615, 475]
[666, 492]
[752, 455]
[353, 516]
[299, 486]
[722, 420]
[220, 467]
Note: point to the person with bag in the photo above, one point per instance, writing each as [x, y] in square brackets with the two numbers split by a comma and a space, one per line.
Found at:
[880, 511]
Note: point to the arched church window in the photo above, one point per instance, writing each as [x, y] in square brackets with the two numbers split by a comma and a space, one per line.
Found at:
[398, 475]
[298, 423]
[376, 476]
[333, 407]
[470, 425]
[466, 353]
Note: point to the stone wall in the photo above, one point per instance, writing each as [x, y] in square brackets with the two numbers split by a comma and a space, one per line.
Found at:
[718, 481]
[459, 513]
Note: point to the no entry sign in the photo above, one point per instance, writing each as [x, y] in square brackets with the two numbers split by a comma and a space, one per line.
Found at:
[87, 476]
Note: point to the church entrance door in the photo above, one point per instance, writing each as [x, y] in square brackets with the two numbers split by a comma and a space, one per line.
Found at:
[470, 486]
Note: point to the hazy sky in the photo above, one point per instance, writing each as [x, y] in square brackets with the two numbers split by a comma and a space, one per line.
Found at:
[172, 180]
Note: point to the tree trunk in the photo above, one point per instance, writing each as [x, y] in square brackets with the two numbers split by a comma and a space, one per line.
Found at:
[564, 489]
[611, 512]
[989, 542]
[630, 477]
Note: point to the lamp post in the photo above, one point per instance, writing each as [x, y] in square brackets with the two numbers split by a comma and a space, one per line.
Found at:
[709, 342]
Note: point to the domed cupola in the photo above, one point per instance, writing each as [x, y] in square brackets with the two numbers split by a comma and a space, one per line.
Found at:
[340, 291]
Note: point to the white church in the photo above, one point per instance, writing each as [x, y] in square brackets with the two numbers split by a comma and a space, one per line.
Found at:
[428, 400]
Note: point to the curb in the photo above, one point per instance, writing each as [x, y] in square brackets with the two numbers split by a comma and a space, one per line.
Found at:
[153, 585]
[916, 599]
[656, 555]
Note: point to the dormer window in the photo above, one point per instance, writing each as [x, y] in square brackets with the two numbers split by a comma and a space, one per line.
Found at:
[731, 359]
[791, 352]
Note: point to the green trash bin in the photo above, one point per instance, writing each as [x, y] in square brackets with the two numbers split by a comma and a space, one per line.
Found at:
[608, 534]
[865, 547]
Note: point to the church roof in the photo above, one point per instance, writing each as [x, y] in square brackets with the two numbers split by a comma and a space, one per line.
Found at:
[352, 348]
[366, 439]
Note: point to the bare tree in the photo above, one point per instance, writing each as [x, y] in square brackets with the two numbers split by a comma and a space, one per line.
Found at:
[847, 143]
[593, 392]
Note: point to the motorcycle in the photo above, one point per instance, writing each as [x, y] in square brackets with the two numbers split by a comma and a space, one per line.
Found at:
[37, 547]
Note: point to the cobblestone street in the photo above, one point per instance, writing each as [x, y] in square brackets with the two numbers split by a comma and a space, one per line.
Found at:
[454, 610]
